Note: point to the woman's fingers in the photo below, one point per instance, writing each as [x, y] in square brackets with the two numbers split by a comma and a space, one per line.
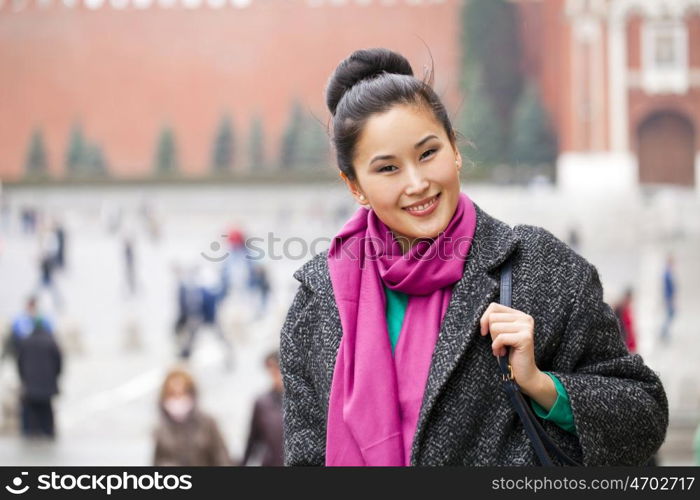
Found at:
[507, 326]
[510, 327]
[509, 339]
[499, 312]
[504, 317]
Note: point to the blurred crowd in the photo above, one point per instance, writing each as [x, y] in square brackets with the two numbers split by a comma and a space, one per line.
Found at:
[185, 434]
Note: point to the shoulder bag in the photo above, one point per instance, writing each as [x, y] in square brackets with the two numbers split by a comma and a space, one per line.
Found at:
[544, 447]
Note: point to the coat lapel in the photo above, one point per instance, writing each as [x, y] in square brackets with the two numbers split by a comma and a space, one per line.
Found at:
[493, 242]
[316, 276]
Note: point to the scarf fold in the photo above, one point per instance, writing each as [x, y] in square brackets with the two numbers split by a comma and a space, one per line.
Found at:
[375, 398]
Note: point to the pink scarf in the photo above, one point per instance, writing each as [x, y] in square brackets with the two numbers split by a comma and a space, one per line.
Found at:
[375, 398]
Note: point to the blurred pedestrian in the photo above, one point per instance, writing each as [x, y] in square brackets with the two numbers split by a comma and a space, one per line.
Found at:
[202, 295]
[28, 217]
[265, 440]
[574, 240]
[625, 315]
[237, 265]
[60, 235]
[129, 264]
[181, 299]
[39, 361]
[185, 435]
[48, 259]
[260, 286]
[669, 292]
[22, 326]
[189, 304]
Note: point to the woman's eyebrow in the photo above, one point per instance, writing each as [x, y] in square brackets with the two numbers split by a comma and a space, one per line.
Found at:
[417, 145]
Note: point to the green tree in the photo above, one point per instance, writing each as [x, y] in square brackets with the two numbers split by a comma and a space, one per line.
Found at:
[314, 145]
[256, 146]
[84, 158]
[533, 140]
[304, 143]
[94, 159]
[35, 165]
[491, 44]
[166, 153]
[479, 125]
[290, 148]
[75, 156]
[223, 150]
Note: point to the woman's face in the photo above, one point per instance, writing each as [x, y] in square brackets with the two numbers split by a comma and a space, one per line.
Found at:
[408, 173]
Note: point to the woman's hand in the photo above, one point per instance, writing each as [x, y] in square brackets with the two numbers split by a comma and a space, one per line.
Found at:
[513, 328]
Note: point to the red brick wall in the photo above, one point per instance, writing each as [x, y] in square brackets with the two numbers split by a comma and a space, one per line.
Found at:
[634, 43]
[125, 73]
[694, 40]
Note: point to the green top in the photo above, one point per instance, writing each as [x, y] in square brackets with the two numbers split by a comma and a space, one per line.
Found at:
[560, 413]
[396, 303]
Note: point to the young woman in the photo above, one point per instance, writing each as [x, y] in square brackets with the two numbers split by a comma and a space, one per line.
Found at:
[388, 352]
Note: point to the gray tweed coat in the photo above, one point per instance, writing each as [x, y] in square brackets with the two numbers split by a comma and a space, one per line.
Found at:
[619, 405]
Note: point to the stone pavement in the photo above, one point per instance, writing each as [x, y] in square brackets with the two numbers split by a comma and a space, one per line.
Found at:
[119, 348]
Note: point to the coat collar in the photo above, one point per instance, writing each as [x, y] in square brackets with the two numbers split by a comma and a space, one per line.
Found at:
[493, 242]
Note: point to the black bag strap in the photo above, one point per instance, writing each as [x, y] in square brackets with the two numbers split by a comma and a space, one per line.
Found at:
[541, 442]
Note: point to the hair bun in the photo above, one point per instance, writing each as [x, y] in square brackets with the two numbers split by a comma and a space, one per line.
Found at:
[361, 65]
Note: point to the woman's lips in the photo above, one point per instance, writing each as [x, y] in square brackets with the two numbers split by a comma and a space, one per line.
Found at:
[426, 211]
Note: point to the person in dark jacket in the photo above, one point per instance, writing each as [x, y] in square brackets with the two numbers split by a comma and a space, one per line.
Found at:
[389, 351]
[265, 437]
[23, 325]
[39, 362]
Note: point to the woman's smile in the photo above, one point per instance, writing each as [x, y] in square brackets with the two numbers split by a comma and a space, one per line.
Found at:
[424, 208]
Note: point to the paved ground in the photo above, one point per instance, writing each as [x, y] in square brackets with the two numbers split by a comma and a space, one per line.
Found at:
[119, 347]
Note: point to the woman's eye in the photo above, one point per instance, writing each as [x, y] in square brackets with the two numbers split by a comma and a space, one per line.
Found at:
[428, 152]
[384, 169]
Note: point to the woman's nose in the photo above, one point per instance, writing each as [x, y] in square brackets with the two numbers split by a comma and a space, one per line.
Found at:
[417, 183]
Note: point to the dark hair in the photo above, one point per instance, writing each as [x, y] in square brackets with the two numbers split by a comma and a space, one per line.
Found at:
[372, 81]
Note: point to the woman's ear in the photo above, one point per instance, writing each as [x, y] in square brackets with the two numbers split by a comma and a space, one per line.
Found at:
[458, 160]
[355, 190]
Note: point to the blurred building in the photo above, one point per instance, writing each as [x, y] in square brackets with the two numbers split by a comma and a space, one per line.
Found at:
[621, 79]
[122, 71]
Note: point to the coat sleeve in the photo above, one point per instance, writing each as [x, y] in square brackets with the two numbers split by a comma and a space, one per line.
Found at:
[303, 417]
[619, 404]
